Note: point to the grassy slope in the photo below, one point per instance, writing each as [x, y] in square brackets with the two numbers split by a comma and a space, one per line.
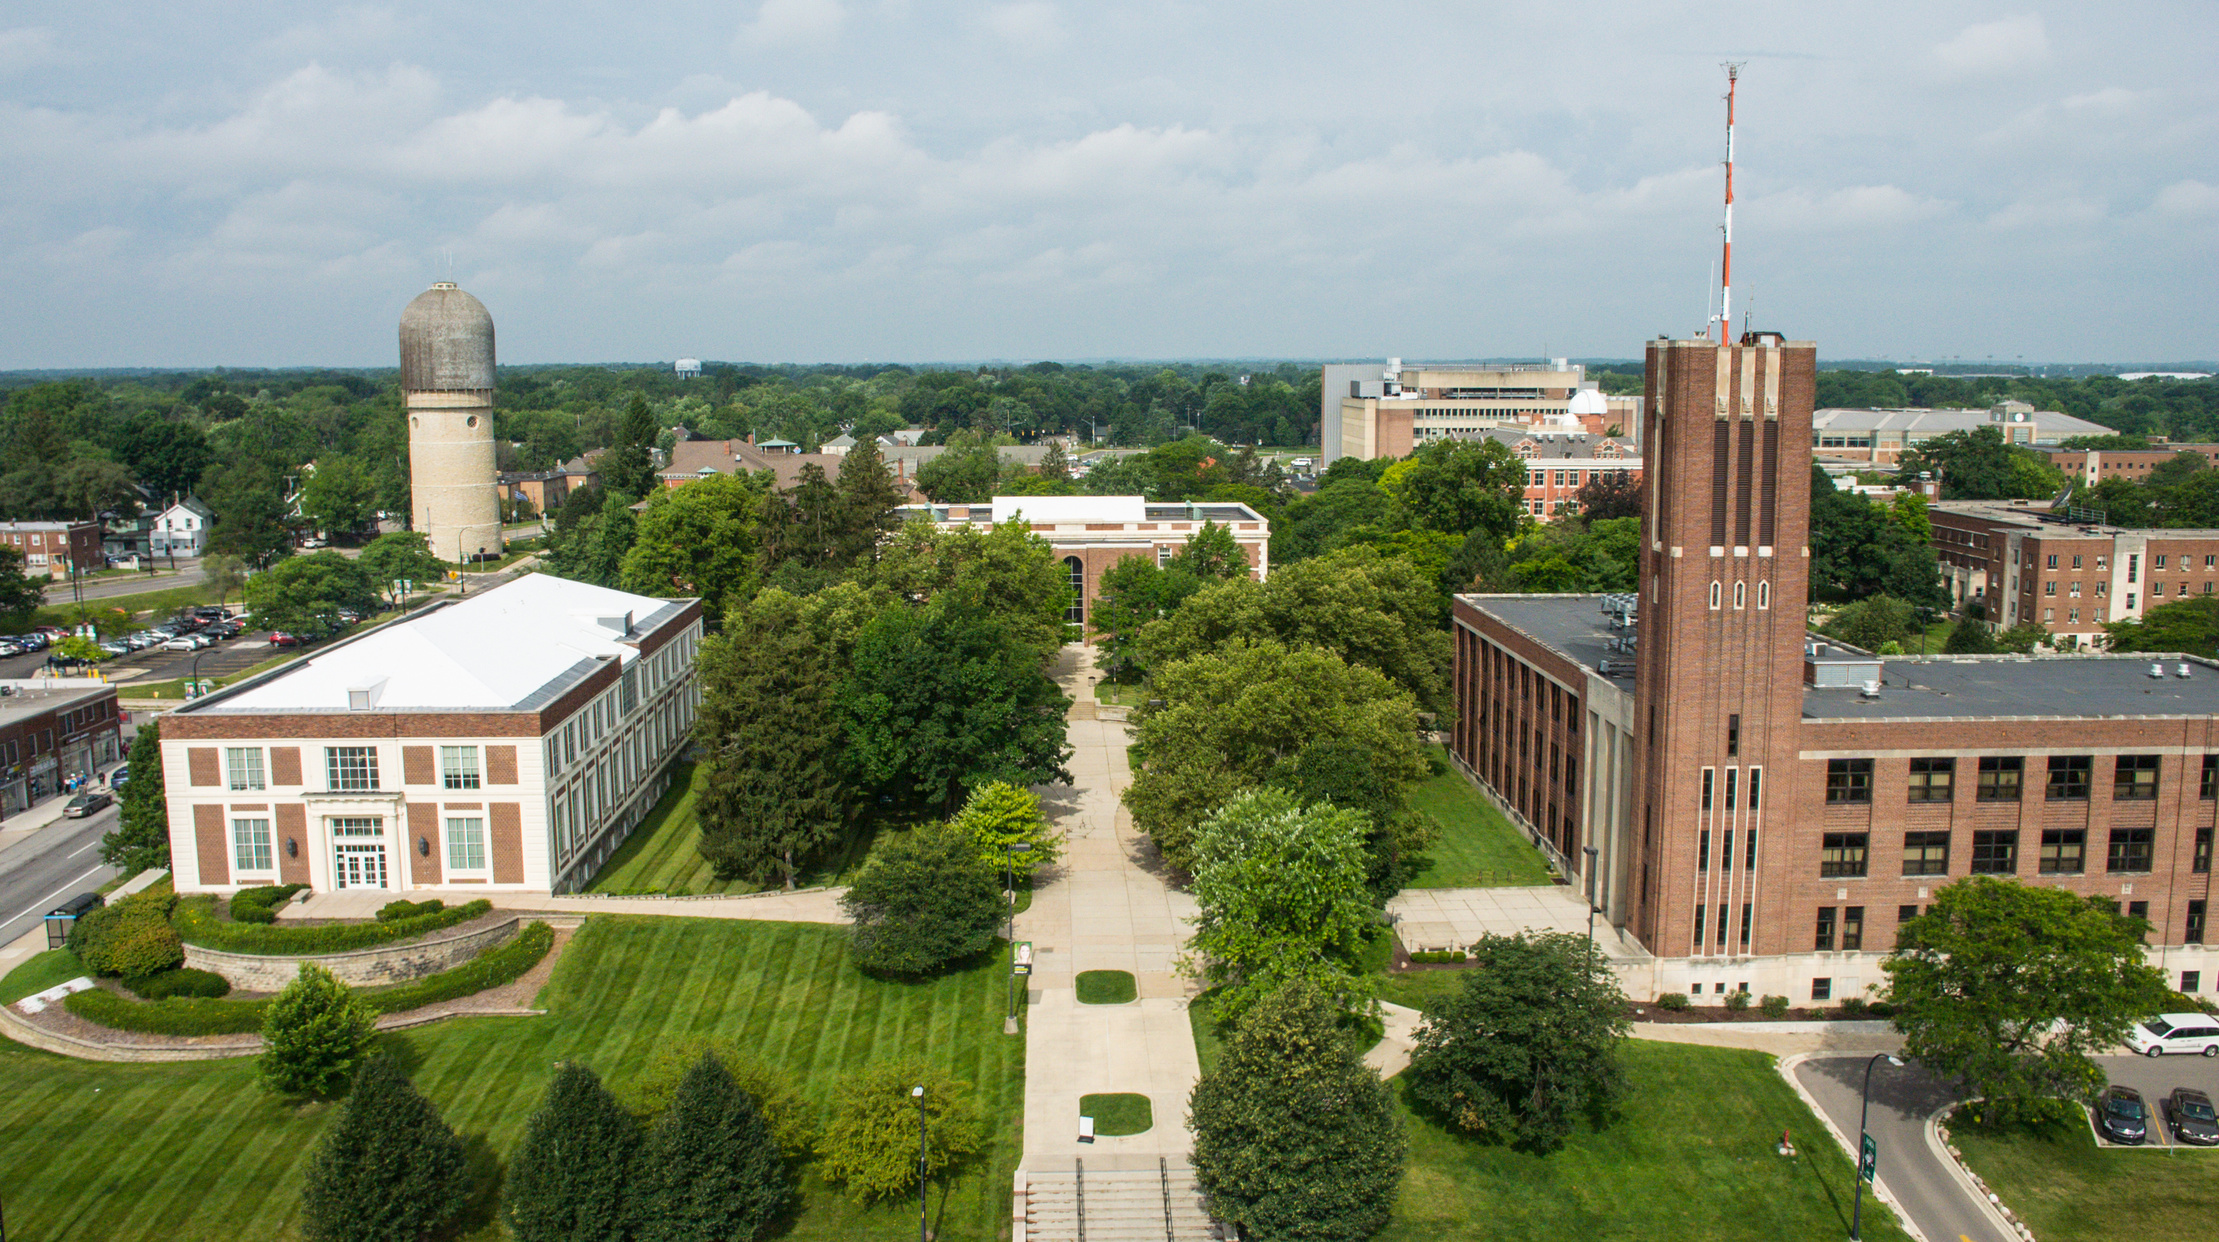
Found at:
[2067, 1188]
[195, 1151]
[1478, 847]
[40, 972]
[663, 854]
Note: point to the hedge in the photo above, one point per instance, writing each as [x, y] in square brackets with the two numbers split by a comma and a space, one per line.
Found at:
[393, 911]
[196, 921]
[179, 982]
[193, 1016]
[1437, 957]
[259, 905]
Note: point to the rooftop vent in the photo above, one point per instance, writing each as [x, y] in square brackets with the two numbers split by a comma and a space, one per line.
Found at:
[1869, 690]
[2183, 670]
[363, 697]
[2157, 671]
[615, 623]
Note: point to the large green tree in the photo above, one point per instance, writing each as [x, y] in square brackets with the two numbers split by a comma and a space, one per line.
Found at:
[961, 475]
[339, 496]
[2190, 627]
[141, 838]
[402, 556]
[20, 595]
[1004, 570]
[388, 1168]
[628, 468]
[942, 699]
[1859, 549]
[1527, 1046]
[925, 900]
[1346, 775]
[1294, 1136]
[699, 539]
[1981, 465]
[710, 1170]
[305, 594]
[569, 1177]
[1460, 486]
[870, 500]
[2014, 989]
[1231, 715]
[871, 1144]
[1281, 895]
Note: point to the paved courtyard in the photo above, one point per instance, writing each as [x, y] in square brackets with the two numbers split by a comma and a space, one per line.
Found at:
[1452, 918]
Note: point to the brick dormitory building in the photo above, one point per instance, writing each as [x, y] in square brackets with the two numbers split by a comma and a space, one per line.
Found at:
[1766, 807]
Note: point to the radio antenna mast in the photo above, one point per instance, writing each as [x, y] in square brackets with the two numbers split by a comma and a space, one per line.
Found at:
[1725, 320]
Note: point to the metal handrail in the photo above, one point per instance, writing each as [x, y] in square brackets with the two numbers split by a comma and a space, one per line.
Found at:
[1163, 1170]
[1078, 1196]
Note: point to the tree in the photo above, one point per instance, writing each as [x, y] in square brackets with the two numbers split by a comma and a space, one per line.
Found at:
[86, 487]
[1133, 592]
[141, 838]
[338, 497]
[77, 649]
[1860, 549]
[1609, 494]
[710, 1171]
[1294, 1136]
[2190, 627]
[1281, 893]
[924, 901]
[570, 1175]
[226, 575]
[1004, 570]
[2022, 638]
[250, 518]
[388, 1169]
[791, 1116]
[870, 502]
[871, 1143]
[628, 468]
[307, 593]
[942, 699]
[20, 595]
[1346, 775]
[699, 539]
[1529, 1044]
[1459, 486]
[1870, 623]
[1970, 637]
[315, 1033]
[961, 475]
[1054, 464]
[998, 815]
[1981, 465]
[1232, 715]
[401, 556]
[774, 790]
[2014, 988]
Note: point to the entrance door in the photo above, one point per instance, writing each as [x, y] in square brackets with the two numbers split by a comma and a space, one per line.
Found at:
[360, 866]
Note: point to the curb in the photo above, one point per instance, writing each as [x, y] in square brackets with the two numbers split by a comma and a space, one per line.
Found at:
[1937, 1141]
[1880, 1191]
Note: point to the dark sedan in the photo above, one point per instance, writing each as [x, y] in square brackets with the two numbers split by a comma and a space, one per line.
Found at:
[2193, 1120]
[2121, 1115]
[86, 803]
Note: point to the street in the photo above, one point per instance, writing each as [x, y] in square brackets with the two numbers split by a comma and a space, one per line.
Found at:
[50, 866]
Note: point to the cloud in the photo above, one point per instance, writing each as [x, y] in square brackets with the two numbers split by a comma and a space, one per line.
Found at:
[1029, 26]
[2187, 200]
[24, 47]
[2048, 211]
[1995, 47]
[782, 23]
[1854, 208]
[346, 32]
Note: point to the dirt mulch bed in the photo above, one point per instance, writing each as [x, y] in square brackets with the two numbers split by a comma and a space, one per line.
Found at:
[1719, 1014]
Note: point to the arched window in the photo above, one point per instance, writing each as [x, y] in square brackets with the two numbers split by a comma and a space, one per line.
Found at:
[1741, 596]
[1715, 591]
[1764, 593]
[1076, 613]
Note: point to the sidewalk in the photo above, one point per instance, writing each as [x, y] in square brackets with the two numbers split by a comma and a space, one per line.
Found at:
[821, 905]
[1100, 910]
[21, 825]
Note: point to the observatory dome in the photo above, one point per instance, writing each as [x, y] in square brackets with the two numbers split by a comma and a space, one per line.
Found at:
[446, 342]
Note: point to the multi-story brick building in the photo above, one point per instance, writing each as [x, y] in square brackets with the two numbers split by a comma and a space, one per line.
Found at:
[1763, 809]
[2066, 570]
[510, 740]
[50, 730]
[51, 549]
[2093, 466]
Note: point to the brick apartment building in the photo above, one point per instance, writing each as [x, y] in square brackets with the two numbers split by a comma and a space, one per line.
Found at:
[1765, 809]
[2093, 466]
[52, 729]
[2066, 570]
[50, 549]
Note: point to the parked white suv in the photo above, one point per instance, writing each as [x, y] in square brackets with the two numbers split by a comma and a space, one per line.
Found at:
[2174, 1033]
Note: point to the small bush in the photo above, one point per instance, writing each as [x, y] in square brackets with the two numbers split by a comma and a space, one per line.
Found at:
[197, 923]
[129, 937]
[314, 1034]
[145, 946]
[205, 984]
[179, 1015]
[405, 909]
[1438, 956]
[1853, 1006]
[1879, 1009]
[1674, 1001]
[1737, 1001]
[260, 905]
[1774, 1006]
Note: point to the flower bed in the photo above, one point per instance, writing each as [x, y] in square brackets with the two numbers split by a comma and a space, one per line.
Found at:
[196, 923]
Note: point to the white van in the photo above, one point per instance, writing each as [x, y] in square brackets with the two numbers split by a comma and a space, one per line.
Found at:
[2174, 1033]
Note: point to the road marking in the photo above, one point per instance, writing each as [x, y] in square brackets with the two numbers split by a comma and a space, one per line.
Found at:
[38, 906]
[86, 846]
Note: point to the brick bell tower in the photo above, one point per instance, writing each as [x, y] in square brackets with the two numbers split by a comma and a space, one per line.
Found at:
[1725, 520]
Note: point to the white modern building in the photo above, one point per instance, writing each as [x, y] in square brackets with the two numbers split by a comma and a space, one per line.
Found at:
[507, 741]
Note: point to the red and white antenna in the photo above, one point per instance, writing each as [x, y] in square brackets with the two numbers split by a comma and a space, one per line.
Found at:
[1725, 321]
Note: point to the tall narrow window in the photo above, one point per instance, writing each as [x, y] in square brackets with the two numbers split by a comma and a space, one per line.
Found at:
[1746, 909]
[1702, 850]
[1756, 783]
[1764, 594]
[1823, 940]
[1721, 928]
[1732, 775]
[2195, 922]
[2201, 861]
[1715, 591]
[250, 842]
[1726, 851]
[1710, 778]
[466, 845]
[1749, 863]
[1699, 942]
[1733, 736]
[1741, 596]
[1852, 928]
[1076, 571]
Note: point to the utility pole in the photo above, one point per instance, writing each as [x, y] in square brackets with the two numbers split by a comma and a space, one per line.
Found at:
[1725, 322]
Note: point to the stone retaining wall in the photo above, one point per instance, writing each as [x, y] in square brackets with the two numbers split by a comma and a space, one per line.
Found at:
[379, 964]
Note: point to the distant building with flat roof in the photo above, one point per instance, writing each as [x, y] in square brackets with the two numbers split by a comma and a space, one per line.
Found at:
[1881, 436]
[1367, 410]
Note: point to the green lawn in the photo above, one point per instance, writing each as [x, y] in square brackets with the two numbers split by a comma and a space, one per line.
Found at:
[2069, 1190]
[38, 973]
[195, 1151]
[1478, 847]
[1419, 988]
[1124, 696]
[1106, 987]
[61, 610]
[1691, 1157]
[1118, 1113]
[663, 854]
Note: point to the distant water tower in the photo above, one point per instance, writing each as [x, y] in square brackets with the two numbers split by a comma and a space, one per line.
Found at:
[447, 385]
[689, 368]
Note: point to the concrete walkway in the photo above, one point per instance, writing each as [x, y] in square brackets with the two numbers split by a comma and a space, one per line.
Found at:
[1454, 918]
[1102, 909]
[817, 905]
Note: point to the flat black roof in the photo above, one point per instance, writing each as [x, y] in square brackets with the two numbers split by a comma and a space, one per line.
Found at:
[2026, 686]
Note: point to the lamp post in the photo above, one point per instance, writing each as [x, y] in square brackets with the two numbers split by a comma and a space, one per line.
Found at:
[1864, 1112]
[1010, 852]
[1589, 850]
[918, 1094]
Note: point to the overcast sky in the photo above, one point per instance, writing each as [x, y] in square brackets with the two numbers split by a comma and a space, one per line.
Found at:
[910, 180]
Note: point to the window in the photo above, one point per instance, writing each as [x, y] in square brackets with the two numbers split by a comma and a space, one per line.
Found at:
[1733, 740]
[1999, 778]
[1726, 851]
[2130, 849]
[1747, 908]
[2209, 789]
[2050, 587]
[1756, 781]
[1702, 851]
[1749, 861]
[1823, 940]
[1926, 853]
[1931, 779]
[250, 844]
[1714, 595]
[2202, 860]
[458, 767]
[351, 769]
[2064, 851]
[2076, 562]
[244, 765]
[1848, 780]
[2190, 980]
[1733, 775]
[1842, 854]
[1764, 594]
[2053, 560]
[1699, 912]
[1710, 779]
[357, 826]
[1852, 928]
[2195, 933]
[1995, 853]
[1722, 931]
[2135, 779]
[2158, 562]
[1904, 914]
[466, 845]
[1741, 595]
[2068, 777]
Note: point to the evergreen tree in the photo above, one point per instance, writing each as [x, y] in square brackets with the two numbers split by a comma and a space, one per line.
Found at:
[710, 1171]
[569, 1177]
[388, 1170]
[142, 835]
[1294, 1136]
[869, 501]
[316, 1032]
[628, 468]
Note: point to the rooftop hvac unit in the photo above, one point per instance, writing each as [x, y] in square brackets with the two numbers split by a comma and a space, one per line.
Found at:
[2157, 671]
[1869, 690]
[2184, 670]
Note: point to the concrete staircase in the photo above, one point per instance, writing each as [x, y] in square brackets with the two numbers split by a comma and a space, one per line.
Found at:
[1117, 1199]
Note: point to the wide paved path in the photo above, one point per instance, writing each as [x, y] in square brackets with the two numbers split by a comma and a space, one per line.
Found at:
[1102, 909]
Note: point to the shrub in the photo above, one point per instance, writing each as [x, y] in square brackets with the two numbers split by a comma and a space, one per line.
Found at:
[178, 1015]
[1438, 956]
[1853, 1006]
[181, 982]
[1737, 1001]
[126, 938]
[388, 1167]
[871, 1144]
[145, 946]
[925, 902]
[569, 1176]
[1674, 1001]
[1774, 1006]
[405, 909]
[490, 969]
[710, 1168]
[791, 1117]
[316, 1032]
[998, 815]
[260, 905]
[197, 923]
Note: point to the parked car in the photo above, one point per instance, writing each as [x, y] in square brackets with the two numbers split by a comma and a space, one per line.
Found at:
[120, 777]
[210, 612]
[2192, 1116]
[53, 632]
[9, 647]
[116, 647]
[279, 638]
[2175, 1033]
[86, 803]
[2119, 1113]
[183, 642]
[33, 641]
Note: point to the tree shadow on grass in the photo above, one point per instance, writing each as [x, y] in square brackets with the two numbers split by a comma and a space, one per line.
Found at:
[487, 1175]
[1818, 1175]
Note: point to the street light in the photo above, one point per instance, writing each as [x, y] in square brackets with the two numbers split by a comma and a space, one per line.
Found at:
[1010, 852]
[1857, 1210]
[918, 1094]
[1589, 850]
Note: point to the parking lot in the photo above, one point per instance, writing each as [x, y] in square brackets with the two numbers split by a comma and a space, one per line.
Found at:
[2155, 1078]
[153, 664]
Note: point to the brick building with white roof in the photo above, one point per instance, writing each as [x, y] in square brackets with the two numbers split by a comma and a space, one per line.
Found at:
[510, 740]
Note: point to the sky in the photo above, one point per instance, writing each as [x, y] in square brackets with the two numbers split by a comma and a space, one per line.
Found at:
[268, 184]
